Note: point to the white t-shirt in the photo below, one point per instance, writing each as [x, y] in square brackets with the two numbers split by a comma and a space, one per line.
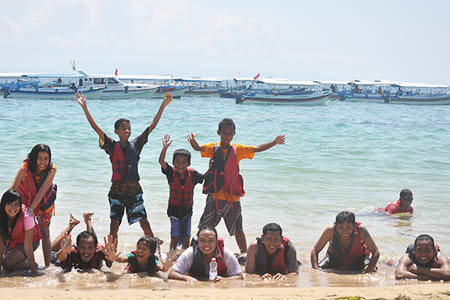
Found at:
[184, 262]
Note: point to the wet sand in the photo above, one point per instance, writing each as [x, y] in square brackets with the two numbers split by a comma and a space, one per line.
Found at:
[413, 291]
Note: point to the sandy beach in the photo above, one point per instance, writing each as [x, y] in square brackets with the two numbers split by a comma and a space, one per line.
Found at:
[408, 291]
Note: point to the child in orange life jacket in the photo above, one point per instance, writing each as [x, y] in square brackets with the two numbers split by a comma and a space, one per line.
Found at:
[87, 254]
[143, 259]
[272, 256]
[423, 261]
[403, 204]
[182, 181]
[349, 246]
[19, 234]
[34, 182]
[223, 183]
[125, 192]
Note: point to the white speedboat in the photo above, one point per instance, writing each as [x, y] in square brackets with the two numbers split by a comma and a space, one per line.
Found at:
[163, 83]
[53, 93]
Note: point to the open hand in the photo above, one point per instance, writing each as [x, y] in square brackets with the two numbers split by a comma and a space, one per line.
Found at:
[191, 136]
[66, 243]
[279, 139]
[81, 99]
[166, 140]
[279, 276]
[110, 248]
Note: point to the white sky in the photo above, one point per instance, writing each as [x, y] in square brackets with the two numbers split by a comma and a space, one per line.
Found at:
[302, 40]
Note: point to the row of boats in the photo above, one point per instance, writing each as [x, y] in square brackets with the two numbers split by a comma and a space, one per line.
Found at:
[242, 89]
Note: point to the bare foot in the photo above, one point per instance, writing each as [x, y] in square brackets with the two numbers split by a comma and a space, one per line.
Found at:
[73, 221]
[87, 216]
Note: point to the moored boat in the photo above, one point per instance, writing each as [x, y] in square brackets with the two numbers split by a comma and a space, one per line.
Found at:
[199, 86]
[419, 94]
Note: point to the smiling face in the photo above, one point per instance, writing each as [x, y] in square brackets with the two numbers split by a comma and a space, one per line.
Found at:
[12, 209]
[86, 247]
[143, 252]
[123, 131]
[42, 161]
[424, 251]
[272, 241]
[345, 230]
[181, 163]
[207, 242]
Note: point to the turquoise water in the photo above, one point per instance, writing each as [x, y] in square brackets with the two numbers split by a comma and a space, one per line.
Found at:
[343, 156]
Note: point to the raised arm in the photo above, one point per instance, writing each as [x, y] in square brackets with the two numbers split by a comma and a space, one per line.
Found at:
[166, 141]
[326, 236]
[155, 121]
[82, 101]
[194, 144]
[65, 247]
[44, 188]
[367, 239]
[263, 147]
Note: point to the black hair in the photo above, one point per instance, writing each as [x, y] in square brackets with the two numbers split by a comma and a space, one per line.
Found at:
[8, 197]
[406, 192]
[424, 237]
[120, 121]
[272, 227]
[182, 152]
[33, 156]
[225, 122]
[84, 235]
[149, 242]
[207, 227]
[345, 217]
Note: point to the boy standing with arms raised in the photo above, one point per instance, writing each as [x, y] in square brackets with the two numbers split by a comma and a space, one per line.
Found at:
[125, 191]
[223, 182]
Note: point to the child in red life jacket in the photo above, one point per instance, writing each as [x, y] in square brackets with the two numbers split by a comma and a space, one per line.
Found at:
[403, 204]
[193, 263]
[349, 246]
[423, 261]
[223, 182]
[125, 192]
[19, 234]
[272, 256]
[143, 259]
[182, 181]
[34, 182]
[87, 254]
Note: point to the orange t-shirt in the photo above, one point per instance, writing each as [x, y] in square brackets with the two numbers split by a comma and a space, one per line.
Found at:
[242, 152]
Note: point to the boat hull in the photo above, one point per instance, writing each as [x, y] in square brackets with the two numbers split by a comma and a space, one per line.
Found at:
[444, 100]
[308, 99]
[176, 92]
[128, 94]
[47, 93]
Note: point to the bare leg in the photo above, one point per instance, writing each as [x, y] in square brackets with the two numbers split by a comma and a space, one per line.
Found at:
[46, 245]
[186, 241]
[114, 228]
[145, 225]
[173, 243]
[87, 216]
[56, 244]
[241, 241]
[15, 260]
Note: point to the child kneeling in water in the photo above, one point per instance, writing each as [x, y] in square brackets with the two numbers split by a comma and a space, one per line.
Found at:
[143, 259]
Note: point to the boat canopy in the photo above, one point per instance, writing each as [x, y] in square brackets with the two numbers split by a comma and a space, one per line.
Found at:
[243, 79]
[198, 79]
[145, 77]
[418, 85]
[370, 82]
[287, 82]
[331, 82]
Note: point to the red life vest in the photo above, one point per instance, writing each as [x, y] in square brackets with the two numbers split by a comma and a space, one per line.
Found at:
[17, 236]
[124, 165]
[394, 208]
[357, 250]
[182, 195]
[198, 268]
[29, 187]
[277, 262]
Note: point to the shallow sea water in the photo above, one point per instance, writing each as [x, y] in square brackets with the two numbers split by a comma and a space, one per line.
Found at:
[342, 156]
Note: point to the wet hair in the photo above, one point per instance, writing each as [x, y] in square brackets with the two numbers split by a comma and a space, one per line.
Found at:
[207, 227]
[149, 242]
[33, 156]
[9, 196]
[182, 152]
[225, 122]
[272, 227]
[345, 217]
[120, 121]
[424, 237]
[84, 235]
[405, 193]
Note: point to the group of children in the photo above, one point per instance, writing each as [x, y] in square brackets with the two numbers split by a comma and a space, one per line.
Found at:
[28, 205]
